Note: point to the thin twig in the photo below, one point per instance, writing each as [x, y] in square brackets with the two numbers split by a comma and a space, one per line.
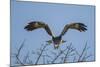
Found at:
[26, 57]
[69, 48]
[85, 57]
[82, 53]
[43, 59]
[74, 59]
[61, 52]
[40, 54]
[18, 53]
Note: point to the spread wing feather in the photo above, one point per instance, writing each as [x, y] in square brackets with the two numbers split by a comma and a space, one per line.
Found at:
[78, 26]
[36, 25]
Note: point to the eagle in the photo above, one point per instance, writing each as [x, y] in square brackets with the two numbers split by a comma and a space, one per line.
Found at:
[56, 40]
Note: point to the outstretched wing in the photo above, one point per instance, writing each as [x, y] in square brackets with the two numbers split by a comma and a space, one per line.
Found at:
[36, 25]
[78, 26]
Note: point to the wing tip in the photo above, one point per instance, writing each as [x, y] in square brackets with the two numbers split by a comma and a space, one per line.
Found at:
[83, 28]
[82, 24]
[28, 28]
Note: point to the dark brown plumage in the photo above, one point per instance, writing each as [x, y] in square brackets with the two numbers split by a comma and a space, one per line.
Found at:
[37, 24]
[78, 26]
[56, 40]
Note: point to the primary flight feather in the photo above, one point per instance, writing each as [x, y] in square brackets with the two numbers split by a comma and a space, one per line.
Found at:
[56, 40]
[36, 24]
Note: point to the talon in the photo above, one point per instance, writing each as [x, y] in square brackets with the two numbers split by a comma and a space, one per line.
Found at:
[49, 42]
[63, 41]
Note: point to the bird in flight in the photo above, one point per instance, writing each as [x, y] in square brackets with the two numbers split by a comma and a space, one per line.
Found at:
[56, 40]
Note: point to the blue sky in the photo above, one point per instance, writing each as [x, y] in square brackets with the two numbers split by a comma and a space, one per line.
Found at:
[56, 16]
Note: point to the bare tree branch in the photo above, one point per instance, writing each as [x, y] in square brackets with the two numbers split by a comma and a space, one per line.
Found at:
[60, 53]
[82, 53]
[40, 54]
[25, 58]
[70, 49]
[18, 53]
[87, 57]
[74, 59]
[63, 55]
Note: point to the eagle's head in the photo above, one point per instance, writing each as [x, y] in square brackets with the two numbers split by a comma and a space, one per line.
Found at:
[56, 40]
